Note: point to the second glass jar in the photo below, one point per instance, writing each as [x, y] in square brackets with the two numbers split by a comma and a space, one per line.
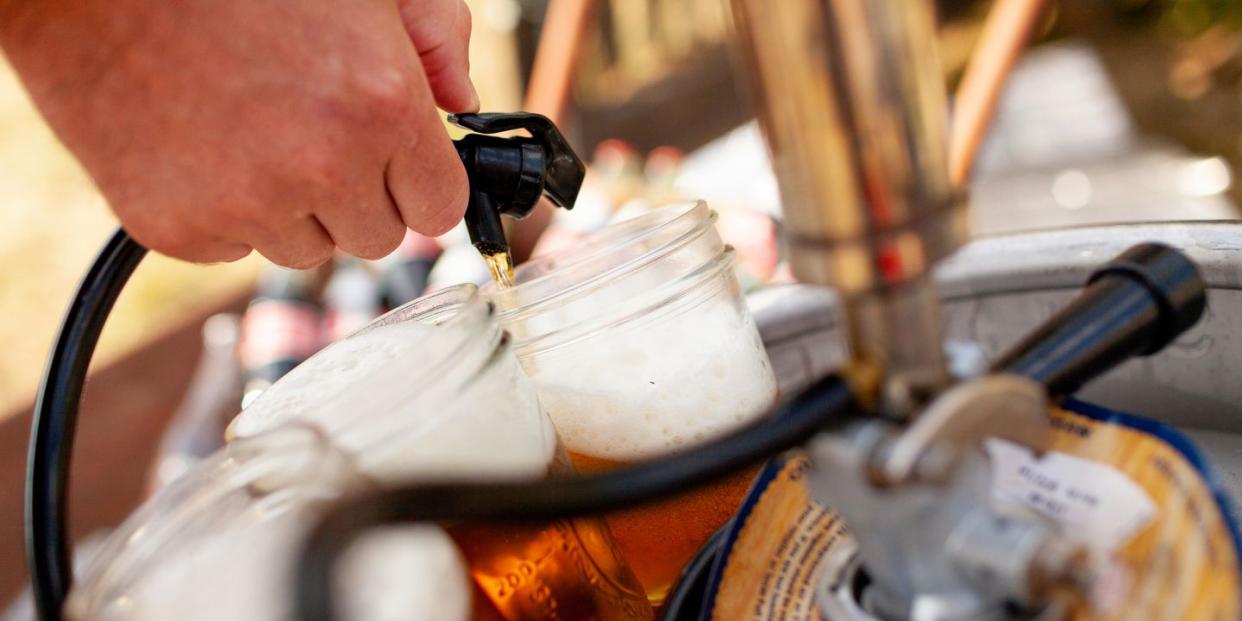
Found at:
[639, 343]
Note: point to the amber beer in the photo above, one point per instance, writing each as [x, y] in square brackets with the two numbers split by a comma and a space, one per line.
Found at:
[660, 538]
[568, 570]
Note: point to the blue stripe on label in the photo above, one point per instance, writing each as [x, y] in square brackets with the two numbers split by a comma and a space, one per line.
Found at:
[765, 478]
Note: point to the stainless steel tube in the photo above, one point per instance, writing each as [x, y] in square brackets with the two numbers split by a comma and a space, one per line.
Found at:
[852, 103]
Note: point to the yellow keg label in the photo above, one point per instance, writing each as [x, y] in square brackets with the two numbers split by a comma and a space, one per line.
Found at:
[1128, 487]
[774, 563]
[1182, 563]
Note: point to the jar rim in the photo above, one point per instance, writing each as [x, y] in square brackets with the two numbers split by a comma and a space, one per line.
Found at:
[674, 297]
[458, 304]
[460, 308]
[695, 214]
[465, 333]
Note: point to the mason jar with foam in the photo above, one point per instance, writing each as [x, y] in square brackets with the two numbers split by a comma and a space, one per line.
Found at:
[639, 343]
[429, 391]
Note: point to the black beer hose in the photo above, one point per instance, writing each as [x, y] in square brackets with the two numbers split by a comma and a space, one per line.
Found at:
[55, 420]
[826, 406]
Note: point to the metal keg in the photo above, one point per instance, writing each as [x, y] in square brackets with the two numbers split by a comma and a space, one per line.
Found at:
[995, 289]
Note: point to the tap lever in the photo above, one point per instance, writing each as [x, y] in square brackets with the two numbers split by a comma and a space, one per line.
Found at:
[508, 175]
[563, 169]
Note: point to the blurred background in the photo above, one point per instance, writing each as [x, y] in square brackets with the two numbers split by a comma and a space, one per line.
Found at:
[1122, 110]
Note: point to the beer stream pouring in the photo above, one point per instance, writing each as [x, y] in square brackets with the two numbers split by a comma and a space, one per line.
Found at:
[863, 217]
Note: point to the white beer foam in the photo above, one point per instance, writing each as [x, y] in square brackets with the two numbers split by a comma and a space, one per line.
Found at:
[376, 396]
[644, 389]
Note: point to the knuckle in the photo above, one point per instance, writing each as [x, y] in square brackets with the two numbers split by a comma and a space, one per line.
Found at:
[458, 192]
[374, 251]
[319, 166]
[387, 92]
[236, 212]
[199, 234]
[171, 241]
[306, 258]
[233, 252]
[384, 242]
[377, 242]
[439, 220]
[319, 256]
[440, 214]
[194, 248]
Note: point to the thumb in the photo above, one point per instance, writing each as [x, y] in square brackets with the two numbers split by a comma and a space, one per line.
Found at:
[440, 31]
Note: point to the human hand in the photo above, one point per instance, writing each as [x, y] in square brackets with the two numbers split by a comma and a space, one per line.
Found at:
[216, 126]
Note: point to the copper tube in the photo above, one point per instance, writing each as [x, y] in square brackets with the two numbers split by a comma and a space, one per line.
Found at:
[565, 27]
[560, 43]
[1009, 25]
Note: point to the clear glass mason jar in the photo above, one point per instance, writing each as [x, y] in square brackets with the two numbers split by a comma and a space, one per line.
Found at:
[430, 390]
[218, 543]
[639, 343]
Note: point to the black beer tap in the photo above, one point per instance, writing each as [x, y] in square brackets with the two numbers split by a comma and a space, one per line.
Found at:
[509, 175]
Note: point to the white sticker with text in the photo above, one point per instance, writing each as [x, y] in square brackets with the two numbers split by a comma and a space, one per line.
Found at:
[1095, 504]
